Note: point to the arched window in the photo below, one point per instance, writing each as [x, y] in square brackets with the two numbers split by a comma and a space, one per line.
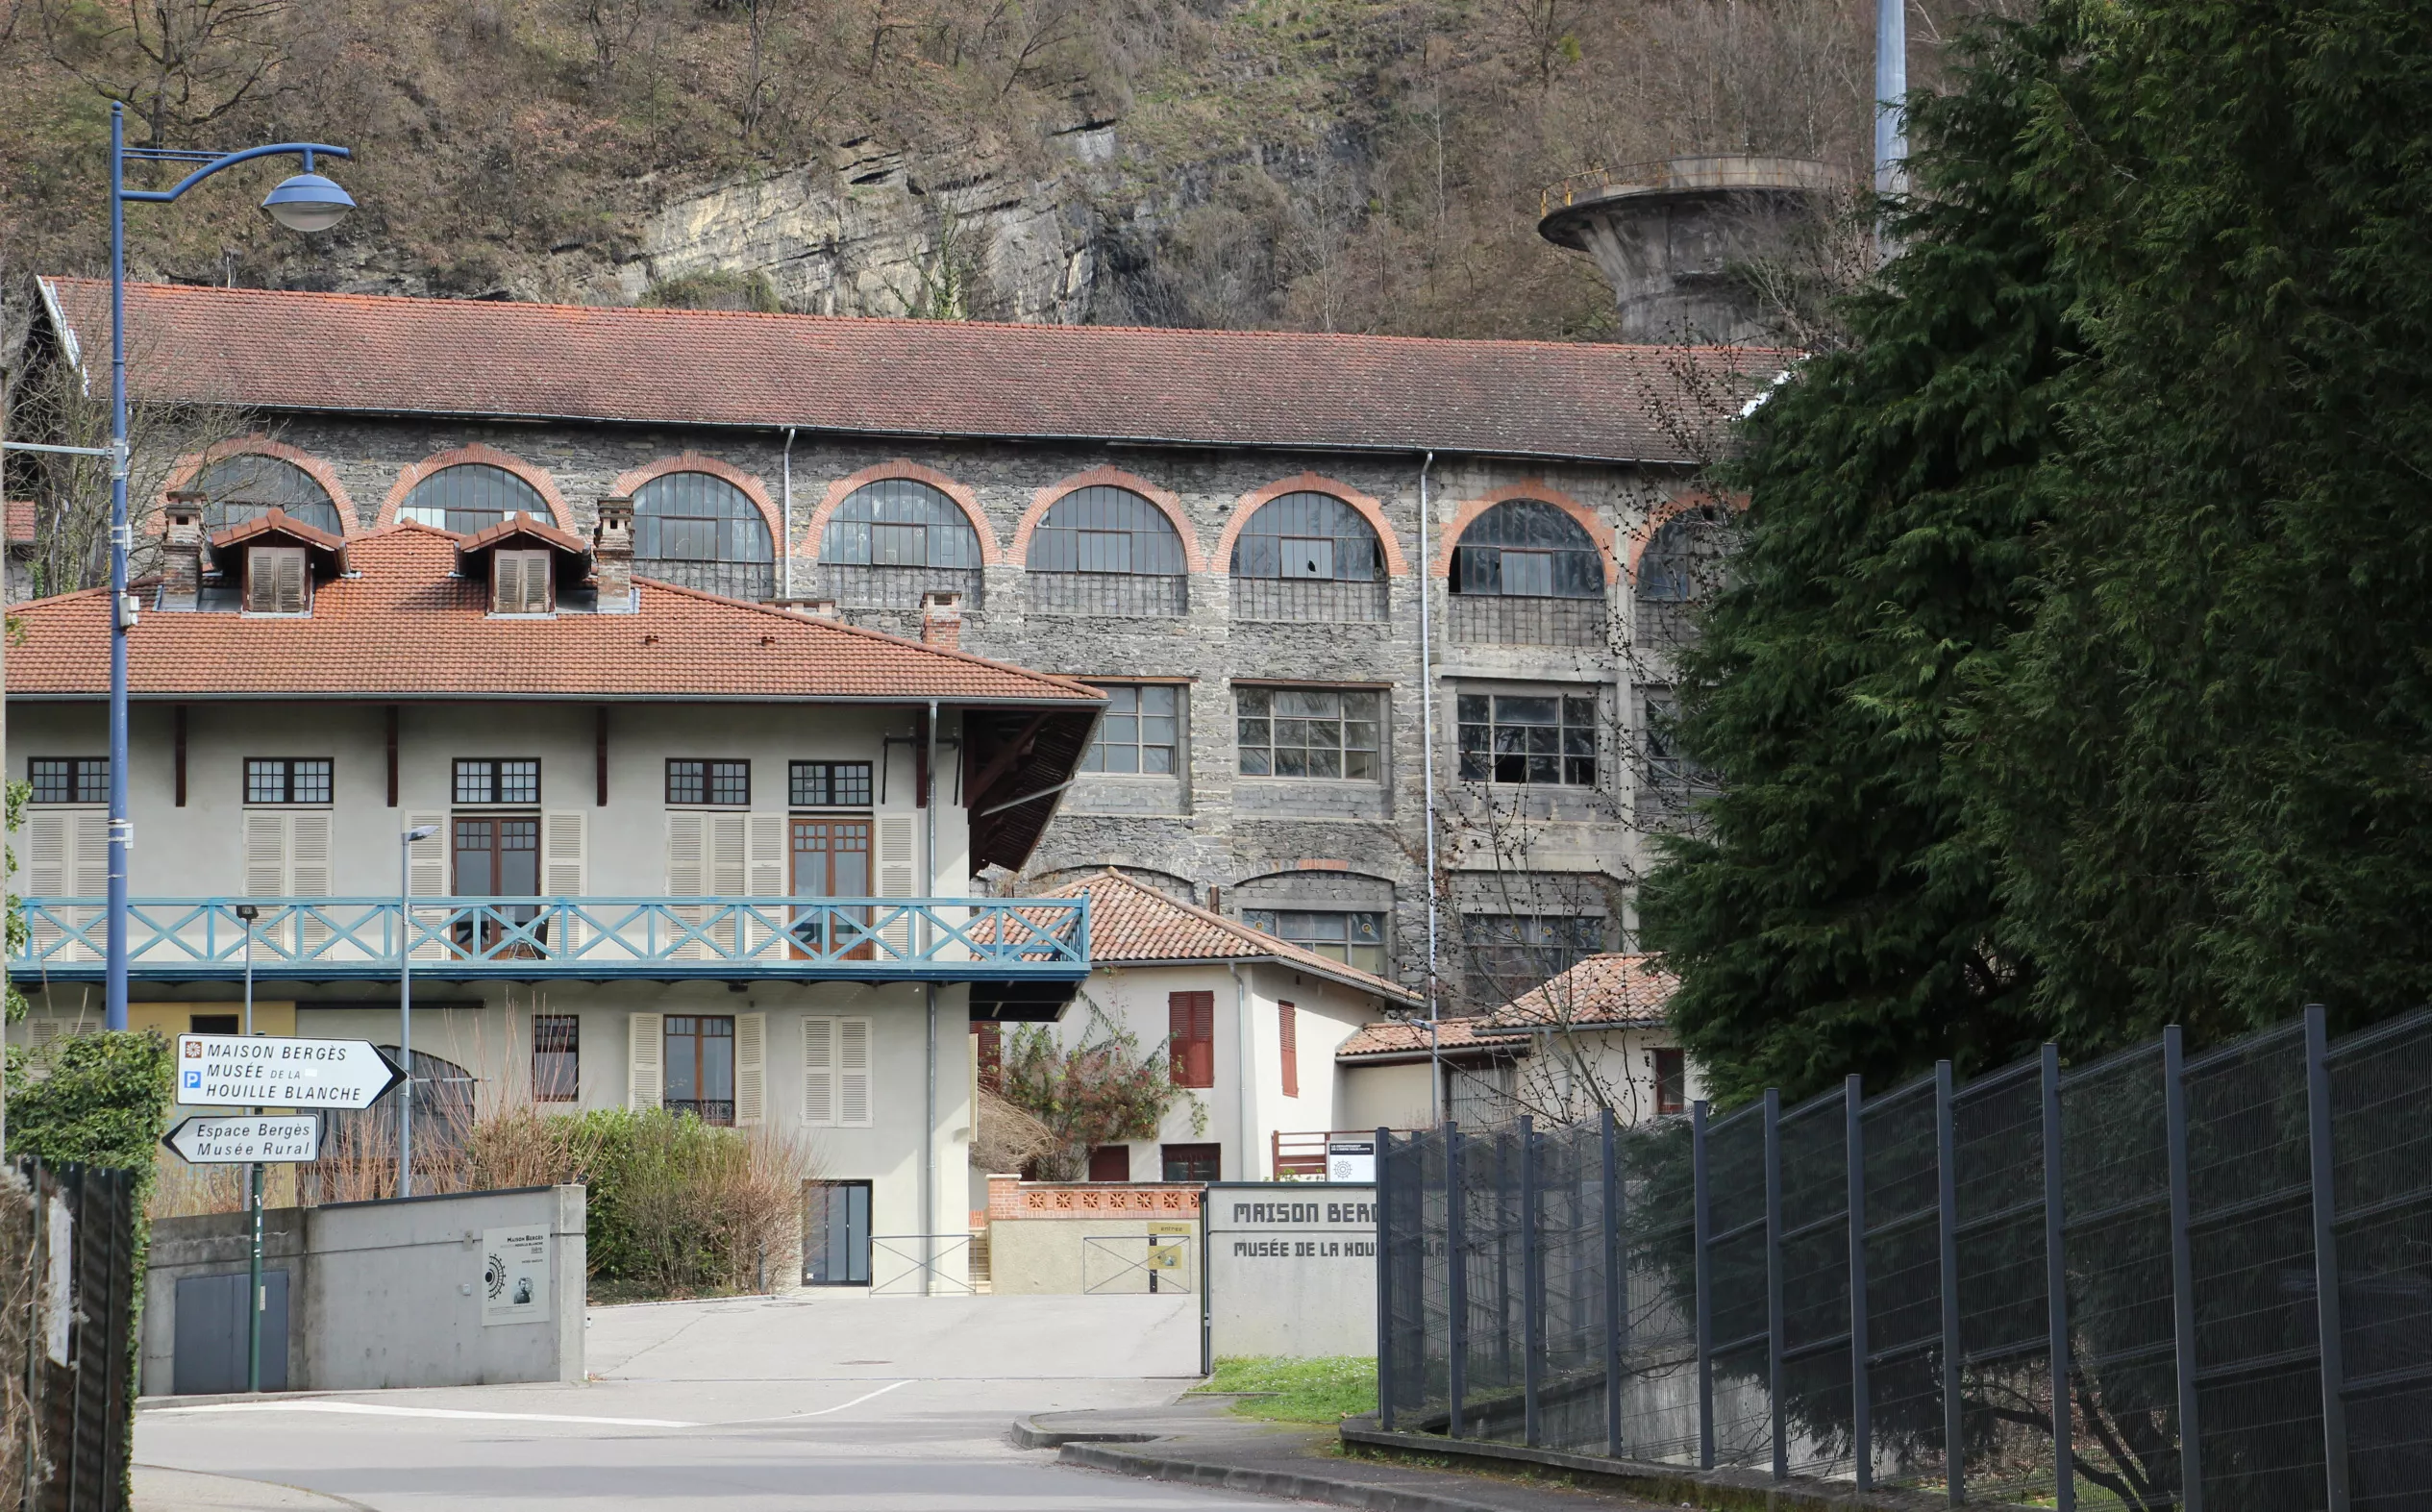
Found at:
[1526, 549]
[892, 540]
[1103, 550]
[1308, 557]
[249, 485]
[702, 532]
[472, 496]
[1685, 561]
[1525, 573]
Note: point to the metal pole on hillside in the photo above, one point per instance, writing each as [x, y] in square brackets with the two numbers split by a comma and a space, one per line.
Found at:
[1890, 88]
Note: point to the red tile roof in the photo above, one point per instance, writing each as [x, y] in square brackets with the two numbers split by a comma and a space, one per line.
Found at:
[382, 355]
[1599, 991]
[522, 527]
[1132, 922]
[1398, 1038]
[404, 628]
[20, 526]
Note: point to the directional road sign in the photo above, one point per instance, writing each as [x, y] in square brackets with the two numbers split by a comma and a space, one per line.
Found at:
[231, 1141]
[266, 1071]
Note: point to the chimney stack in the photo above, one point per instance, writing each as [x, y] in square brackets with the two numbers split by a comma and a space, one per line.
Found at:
[822, 609]
[941, 620]
[181, 545]
[612, 552]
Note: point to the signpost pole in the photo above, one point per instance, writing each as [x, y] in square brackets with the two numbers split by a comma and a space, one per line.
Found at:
[248, 913]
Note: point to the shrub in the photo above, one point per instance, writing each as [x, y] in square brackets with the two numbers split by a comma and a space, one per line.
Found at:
[678, 1207]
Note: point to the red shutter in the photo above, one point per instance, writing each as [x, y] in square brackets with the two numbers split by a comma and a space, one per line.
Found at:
[1191, 1021]
[1287, 1033]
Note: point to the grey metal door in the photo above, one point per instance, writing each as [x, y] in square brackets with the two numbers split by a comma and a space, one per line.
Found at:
[211, 1333]
[836, 1234]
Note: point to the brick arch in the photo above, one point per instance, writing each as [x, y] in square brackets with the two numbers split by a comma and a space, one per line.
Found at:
[845, 487]
[191, 467]
[695, 462]
[1366, 506]
[1527, 488]
[1114, 477]
[414, 472]
[1663, 514]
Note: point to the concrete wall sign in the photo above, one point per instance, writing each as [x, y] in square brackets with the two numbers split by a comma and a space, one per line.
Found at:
[514, 1275]
[1291, 1270]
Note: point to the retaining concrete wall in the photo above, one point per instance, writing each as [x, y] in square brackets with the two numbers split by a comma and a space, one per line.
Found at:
[413, 1293]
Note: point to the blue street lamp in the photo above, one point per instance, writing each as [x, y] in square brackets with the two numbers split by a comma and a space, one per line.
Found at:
[305, 202]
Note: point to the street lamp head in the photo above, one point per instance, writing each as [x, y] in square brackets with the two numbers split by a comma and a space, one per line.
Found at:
[421, 832]
[248, 913]
[307, 202]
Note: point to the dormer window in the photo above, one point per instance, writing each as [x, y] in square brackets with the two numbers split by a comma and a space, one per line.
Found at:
[519, 582]
[276, 581]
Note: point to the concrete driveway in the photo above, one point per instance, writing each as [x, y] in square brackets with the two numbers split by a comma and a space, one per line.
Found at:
[823, 1401]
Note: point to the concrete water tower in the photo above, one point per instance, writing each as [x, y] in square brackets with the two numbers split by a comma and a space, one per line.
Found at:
[1670, 234]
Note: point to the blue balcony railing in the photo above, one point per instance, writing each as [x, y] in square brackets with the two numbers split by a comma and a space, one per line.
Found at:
[917, 939]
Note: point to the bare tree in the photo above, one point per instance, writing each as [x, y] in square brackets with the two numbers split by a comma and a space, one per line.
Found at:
[177, 65]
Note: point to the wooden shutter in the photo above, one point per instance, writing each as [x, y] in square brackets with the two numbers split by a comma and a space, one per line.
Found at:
[519, 581]
[266, 852]
[645, 1059]
[766, 839]
[50, 840]
[898, 871]
[750, 1069]
[853, 1072]
[1288, 1037]
[819, 1072]
[687, 859]
[565, 843]
[308, 870]
[275, 580]
[728, 867]
[88, 838]
[1191, 1023]
[427, 877]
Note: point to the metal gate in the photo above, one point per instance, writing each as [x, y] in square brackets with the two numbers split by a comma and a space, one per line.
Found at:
[214, 1335]
[79, 1364]
[1145, 1264]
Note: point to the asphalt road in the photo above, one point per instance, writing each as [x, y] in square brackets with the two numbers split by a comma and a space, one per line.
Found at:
[827, 1401]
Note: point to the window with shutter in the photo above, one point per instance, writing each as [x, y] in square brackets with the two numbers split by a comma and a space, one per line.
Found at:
[853, 1072]
[819, 1072]
[564, 862]
[519, 581]
[1191, 1025]
[275, 580]
[687, 872]
[1288, 1037]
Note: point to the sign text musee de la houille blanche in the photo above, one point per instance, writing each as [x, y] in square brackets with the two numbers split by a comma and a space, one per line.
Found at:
[263, 1070]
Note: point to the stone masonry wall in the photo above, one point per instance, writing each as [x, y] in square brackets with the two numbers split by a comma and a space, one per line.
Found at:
[1268, 841]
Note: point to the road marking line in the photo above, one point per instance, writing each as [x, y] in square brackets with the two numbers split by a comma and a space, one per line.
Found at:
[374, 1410]
[791, 1416]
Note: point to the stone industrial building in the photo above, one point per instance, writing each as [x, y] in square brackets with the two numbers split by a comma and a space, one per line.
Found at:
[1222, 529]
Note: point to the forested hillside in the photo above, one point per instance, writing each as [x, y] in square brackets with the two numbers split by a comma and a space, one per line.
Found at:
[1354, 165]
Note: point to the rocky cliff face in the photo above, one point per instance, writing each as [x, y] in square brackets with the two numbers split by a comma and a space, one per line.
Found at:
[867, 233]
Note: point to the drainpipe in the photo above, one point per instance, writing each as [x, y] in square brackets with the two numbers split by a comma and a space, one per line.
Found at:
[1426, 742]
[786, 583]
[928, 995]
[1243, 1031]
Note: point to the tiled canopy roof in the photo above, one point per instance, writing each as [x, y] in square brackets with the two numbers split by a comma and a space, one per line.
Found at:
[1132, 922]
[382, 355]
[1599, 991]
[404, 628]
[1400, 1038]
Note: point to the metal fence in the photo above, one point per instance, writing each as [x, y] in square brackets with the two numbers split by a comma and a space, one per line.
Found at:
[2210, 1277]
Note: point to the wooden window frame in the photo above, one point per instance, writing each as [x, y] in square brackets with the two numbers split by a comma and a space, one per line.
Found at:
[667, 1038]
[77, 771]
[708, 777]
[543, 1027]
[456, 782]
[1671, 1065]
[258, 557]
[525, 560]
[286, 766]
[1288, 1046]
